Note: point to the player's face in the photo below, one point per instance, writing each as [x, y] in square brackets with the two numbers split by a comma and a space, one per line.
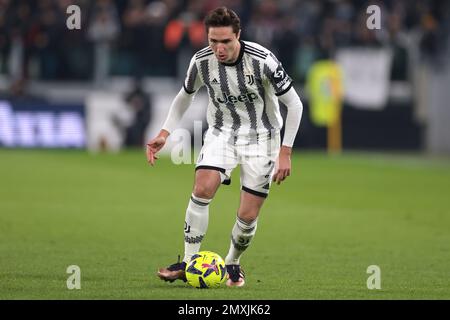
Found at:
[225, 43]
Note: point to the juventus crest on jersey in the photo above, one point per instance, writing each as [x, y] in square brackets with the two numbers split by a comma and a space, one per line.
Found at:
[242, 95]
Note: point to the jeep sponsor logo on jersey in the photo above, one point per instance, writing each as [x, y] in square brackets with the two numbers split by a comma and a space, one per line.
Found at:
[246, 97]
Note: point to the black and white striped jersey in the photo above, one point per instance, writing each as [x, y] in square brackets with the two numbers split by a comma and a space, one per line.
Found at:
[242, 95]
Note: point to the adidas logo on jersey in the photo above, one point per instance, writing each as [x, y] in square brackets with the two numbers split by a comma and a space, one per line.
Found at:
[214, 81]
[248, 97]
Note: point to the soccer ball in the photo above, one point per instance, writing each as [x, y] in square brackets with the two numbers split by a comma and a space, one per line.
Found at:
[205, 270]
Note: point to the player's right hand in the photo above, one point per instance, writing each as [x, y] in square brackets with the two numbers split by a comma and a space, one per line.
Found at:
[153, 147]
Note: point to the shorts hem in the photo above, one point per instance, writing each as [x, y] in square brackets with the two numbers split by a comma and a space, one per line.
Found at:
[226, 181]
[210, 168]
[256, 193]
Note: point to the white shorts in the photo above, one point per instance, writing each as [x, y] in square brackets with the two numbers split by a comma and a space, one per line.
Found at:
[257, 159]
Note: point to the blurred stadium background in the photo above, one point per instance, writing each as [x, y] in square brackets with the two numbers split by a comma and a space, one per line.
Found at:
[136, 52]
[108, 86]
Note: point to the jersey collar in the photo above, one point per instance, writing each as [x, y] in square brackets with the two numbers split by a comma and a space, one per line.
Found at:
[241, 54]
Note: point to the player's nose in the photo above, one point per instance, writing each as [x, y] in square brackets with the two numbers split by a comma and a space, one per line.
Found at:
[221, 48]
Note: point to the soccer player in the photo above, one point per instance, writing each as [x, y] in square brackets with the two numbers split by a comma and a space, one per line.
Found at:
[244, 81]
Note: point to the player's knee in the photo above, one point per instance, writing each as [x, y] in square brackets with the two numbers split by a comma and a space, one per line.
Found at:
[248, 215]
[204, 191]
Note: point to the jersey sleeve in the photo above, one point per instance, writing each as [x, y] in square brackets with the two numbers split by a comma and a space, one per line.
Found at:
[192, 82]
[276, 75]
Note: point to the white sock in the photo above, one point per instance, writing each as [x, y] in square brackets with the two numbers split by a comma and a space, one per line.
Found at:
[195, 225]
[241, 235]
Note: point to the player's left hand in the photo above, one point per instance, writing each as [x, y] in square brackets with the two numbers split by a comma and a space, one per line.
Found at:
[283, 170]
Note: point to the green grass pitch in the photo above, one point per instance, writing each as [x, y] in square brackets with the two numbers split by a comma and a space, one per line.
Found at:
[119, 219]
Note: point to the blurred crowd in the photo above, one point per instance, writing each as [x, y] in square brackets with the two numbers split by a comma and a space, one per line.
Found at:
[150, 37]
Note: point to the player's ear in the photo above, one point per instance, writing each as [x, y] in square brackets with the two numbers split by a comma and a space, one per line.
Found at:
[238, 34]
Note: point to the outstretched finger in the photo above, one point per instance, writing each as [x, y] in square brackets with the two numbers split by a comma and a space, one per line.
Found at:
[152, 159]
[274, 177]
[149, 154]
[278, 177]
[281, 176]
